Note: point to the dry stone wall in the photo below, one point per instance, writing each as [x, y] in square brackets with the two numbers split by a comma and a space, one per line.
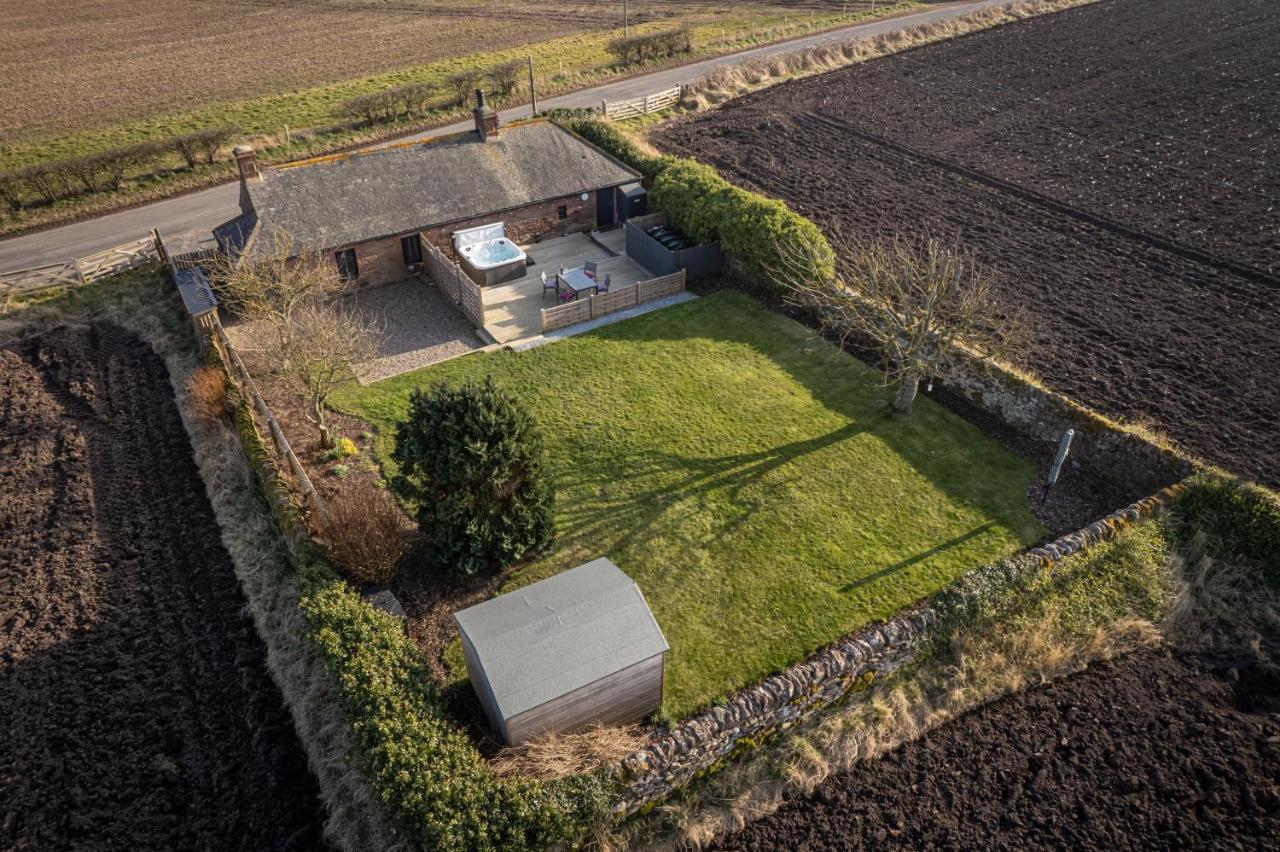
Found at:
[698, 745]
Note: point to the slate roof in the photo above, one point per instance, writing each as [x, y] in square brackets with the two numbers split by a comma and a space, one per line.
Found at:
[339, 201]
[550, 638]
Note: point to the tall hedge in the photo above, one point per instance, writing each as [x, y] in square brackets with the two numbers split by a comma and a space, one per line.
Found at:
[750, 227]
[698, 201]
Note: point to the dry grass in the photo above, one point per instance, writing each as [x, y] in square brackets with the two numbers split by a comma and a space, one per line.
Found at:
[559, 755]
[1223, 605]
[207, 393]
[979, 669]
[727, 82]
[363, 531]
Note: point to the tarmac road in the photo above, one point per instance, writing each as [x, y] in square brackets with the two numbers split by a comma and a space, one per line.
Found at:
[190, 218]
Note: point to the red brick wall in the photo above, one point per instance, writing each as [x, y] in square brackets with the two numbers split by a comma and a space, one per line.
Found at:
[382, 261]
[528, 224]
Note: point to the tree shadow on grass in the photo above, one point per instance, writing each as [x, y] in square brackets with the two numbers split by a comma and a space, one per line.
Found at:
[676, 479]
[889, 570]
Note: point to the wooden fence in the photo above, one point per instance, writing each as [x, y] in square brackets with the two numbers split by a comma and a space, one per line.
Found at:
[617, 299]
[82, 270]
[454, 283]
[241, 376]
[642, 105]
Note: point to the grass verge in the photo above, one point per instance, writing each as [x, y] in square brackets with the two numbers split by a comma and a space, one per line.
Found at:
[317, 126]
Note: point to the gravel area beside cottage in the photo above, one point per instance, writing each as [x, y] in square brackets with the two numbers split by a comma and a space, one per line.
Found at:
[419, 327]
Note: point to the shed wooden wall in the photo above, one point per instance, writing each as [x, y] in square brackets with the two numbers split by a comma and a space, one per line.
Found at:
[627, 695]
[480, 683]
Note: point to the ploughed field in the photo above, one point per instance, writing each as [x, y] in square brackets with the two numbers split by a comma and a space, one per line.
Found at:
[134, 699]
[1116, 165]
[1158, 750]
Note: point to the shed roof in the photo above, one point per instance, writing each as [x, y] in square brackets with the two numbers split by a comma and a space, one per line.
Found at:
[333, 202]
[197, 295]
[554, 636]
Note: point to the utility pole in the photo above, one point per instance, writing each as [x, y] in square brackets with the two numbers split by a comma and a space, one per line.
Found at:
[625, 27]
[533, 95]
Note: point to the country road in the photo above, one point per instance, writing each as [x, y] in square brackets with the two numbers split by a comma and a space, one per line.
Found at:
[191, 217]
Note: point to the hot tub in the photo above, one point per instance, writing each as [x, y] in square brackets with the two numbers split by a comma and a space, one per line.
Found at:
[488, 257]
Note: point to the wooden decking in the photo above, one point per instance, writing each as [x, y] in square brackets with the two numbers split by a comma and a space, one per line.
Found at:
[513, 310]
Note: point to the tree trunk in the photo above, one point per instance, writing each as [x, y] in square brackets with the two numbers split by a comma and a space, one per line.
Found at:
[906, 393]
[326, 439]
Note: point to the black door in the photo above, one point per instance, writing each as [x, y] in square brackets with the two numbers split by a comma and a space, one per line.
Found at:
[411, 248]
[348, 269]
[604, 209]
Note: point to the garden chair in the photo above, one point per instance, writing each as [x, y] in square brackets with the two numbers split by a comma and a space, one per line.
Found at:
[604, 288]
[547, 284]
[589, 267]
[565, 293]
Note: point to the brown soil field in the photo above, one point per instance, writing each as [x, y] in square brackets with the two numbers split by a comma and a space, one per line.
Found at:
[1157, 750]
[134, 698]
[72, 64]
[1117, 166]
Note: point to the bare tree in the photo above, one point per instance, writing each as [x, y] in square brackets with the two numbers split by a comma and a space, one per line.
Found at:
[925, 307]
[326, 343]
[273, 283]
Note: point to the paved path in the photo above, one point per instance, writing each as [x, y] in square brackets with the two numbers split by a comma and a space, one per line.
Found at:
[196, 214]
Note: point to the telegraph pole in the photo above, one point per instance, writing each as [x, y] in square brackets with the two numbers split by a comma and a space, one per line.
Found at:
[533, 96]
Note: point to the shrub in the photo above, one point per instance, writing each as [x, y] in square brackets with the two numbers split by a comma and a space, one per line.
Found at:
[373, 107]
[208, 393]
[416, 98]
[11, 189]
[752, 228]
[362, 530]
[461, 84]
[506, 76]
[648, 46]
[471, 459]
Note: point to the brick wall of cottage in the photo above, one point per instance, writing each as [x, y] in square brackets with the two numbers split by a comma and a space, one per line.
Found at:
[381, 261]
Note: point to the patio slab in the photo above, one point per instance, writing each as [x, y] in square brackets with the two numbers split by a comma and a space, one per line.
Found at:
[513, 310]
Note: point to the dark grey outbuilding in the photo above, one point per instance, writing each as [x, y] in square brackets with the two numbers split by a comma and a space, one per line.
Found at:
[577, 648]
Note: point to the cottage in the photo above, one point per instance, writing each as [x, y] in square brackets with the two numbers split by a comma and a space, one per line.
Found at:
[576, 648]
[370, 211]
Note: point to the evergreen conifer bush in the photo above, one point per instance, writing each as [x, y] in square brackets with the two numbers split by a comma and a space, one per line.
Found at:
[470, 458]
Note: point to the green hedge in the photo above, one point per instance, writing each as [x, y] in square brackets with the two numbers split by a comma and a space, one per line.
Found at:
[705, 206]
[423, 767]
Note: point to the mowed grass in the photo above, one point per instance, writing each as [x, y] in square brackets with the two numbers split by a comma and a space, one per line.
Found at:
[750, 478]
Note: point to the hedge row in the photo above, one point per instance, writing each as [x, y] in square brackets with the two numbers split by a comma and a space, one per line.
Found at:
[105, 170]
[752, 228]
[423, 767]
[648, 46]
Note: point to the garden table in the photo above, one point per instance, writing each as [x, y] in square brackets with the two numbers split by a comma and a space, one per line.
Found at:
[577, 281]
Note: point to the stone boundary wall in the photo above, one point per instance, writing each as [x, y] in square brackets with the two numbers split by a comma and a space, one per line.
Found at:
[697, 745]
[1101, 447]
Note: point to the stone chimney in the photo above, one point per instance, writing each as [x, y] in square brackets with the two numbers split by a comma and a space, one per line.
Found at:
[247, 162]
[486, 119]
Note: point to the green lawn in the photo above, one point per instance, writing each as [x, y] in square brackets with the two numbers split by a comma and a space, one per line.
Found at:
[749, 477]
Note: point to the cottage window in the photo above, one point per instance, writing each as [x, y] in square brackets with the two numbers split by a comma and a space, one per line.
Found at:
[563, 211]
[348, 269]
[411, 248]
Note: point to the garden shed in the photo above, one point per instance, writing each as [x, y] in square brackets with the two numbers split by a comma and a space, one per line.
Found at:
[577, 648]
